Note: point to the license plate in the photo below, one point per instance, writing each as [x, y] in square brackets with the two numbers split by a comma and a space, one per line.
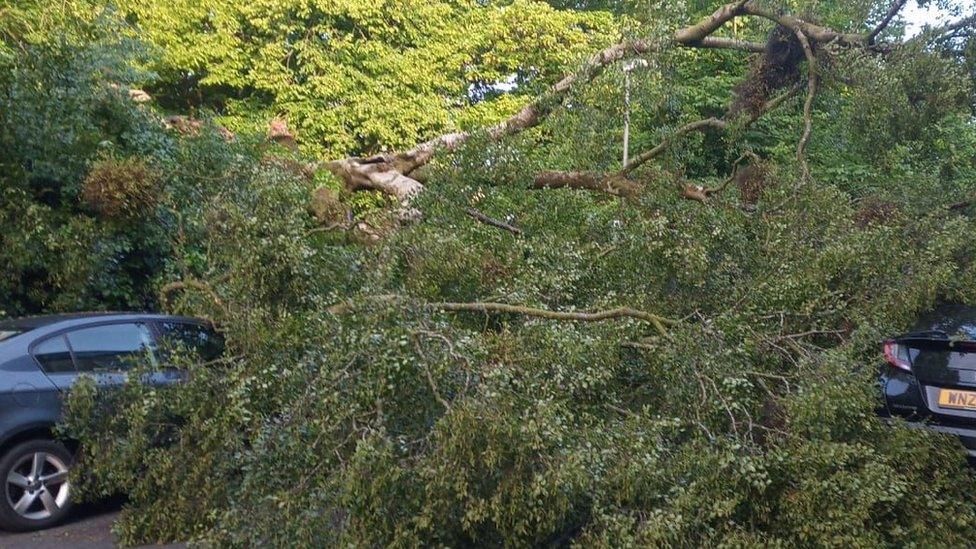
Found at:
[965, 400]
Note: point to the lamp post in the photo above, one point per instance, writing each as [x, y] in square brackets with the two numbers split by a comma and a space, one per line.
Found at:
[628, 68]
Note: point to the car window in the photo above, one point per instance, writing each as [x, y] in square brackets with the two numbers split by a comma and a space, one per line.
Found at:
[190, 337]
[112, 347]
[54, 356]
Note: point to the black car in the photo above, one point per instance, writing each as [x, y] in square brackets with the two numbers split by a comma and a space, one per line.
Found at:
[930, 374]
[40, 359]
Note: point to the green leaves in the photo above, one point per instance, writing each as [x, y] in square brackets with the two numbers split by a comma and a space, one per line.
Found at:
[357, 77]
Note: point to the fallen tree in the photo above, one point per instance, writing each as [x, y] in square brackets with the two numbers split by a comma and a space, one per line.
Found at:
[394, 173]
[496, 375]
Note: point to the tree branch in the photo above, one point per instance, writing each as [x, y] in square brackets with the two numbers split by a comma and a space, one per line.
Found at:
[658, 322]
[616, 184]
[619, 184]
[813, 79]
[818, 33]
[492, 221]
[530, 115]
[720, 43]
[202, 287]
[697, 125]
[704, 192]
[886, 20]
[427, 373]
[696, 33]
[392, 173]
[938, 32]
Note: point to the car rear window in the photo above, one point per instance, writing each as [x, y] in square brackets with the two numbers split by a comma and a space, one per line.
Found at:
[54, 356]
[110, 348]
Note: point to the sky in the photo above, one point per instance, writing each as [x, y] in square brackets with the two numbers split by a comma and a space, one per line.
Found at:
[919, 17]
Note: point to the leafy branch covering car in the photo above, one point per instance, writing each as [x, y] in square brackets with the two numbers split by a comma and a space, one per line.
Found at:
[929, 378]
[40, 359]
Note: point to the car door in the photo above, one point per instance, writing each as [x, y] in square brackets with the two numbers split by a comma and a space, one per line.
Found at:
[105, 352]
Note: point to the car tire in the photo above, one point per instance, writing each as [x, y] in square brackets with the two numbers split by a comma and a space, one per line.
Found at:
[36, 492]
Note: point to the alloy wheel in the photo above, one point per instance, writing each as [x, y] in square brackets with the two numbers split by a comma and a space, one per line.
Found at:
[37, 486]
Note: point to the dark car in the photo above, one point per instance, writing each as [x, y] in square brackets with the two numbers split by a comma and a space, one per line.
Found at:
[930, 374]
[40, 359]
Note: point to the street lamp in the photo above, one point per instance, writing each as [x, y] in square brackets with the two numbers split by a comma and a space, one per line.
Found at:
[630, 66]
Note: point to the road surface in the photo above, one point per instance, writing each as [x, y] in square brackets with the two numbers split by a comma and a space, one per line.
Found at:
[89, 527]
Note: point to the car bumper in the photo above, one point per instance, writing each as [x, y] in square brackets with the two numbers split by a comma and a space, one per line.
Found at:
[905, 398]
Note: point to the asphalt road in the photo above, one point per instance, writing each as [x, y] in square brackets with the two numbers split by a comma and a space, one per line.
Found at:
[89, 527]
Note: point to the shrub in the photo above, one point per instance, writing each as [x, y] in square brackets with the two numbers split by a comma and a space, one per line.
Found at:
[120, 189]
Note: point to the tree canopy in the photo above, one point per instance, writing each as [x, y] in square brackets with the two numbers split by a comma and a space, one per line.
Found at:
[359, 77]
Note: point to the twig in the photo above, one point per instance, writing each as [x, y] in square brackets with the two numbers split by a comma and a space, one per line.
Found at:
[167, 289]
[492, 221]
[658, 322]
[837, 333]
[637, 345]
[330, 227]
[454, 354]
[605, 252]
[960, 205]
[345, 306]
[735, 172]
[892, 12]
[619, 410]
[763, 375]
[430, 377]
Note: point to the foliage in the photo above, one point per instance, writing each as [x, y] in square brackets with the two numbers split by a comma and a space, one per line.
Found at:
[62, 107]
[393, 425]
[359, 77]
[120, 188]
[350, 409]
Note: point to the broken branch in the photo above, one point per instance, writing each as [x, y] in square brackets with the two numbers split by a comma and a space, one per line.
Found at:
[393, 173]
[390, 173]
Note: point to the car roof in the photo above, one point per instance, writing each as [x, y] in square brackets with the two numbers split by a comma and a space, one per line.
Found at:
[29, 323]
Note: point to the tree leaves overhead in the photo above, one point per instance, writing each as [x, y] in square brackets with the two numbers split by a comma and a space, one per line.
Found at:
[357, 77]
